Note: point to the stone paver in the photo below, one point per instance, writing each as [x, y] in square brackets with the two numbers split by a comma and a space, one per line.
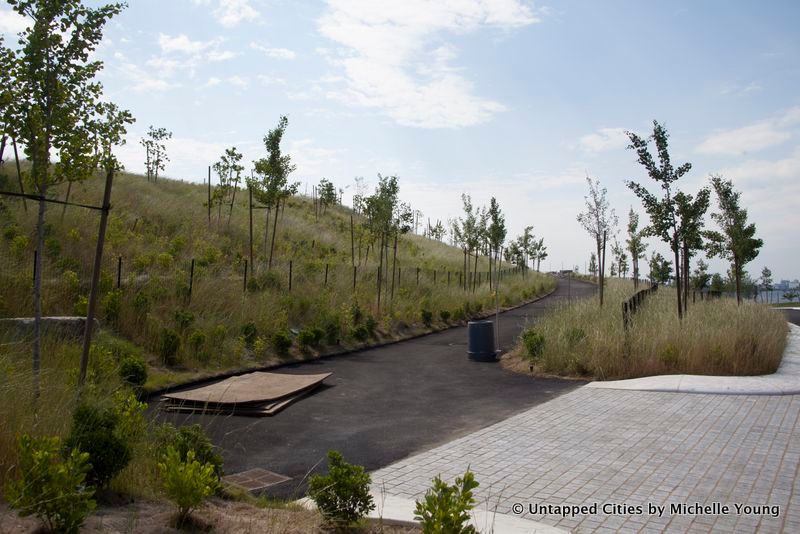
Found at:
[630, 451]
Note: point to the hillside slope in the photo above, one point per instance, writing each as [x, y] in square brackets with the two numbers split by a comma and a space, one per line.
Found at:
[207, 316]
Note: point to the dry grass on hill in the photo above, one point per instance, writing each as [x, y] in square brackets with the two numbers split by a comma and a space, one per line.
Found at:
[717, 338]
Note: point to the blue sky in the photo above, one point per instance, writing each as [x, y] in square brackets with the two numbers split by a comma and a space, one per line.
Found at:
[504, 98]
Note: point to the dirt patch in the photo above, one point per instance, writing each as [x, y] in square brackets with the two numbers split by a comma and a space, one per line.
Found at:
[217, 515]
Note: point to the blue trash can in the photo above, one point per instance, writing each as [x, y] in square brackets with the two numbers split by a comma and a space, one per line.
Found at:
[480, 344]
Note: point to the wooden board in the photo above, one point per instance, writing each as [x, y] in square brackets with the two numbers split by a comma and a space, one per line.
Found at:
[252, 388]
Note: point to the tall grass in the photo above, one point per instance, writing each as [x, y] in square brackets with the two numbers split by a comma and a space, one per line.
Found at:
[159, 228]
[716, 338]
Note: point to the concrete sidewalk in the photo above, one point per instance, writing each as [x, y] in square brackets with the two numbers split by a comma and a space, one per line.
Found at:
[637, 461]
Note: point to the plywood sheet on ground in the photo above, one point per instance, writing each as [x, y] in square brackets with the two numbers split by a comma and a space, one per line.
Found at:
[253, 410]
[252, 388]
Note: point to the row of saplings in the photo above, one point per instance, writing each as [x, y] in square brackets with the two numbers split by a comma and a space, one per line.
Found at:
[58, 481]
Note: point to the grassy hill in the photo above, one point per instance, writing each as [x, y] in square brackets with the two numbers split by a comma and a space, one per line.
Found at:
[206, 318]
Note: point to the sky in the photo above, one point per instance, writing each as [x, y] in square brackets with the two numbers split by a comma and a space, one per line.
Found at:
[505, 98]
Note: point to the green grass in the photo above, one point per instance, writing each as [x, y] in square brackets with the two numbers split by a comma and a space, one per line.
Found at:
[786, 305]
[717, 338]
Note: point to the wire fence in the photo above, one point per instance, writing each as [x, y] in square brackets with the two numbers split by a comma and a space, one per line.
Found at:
[66, 278]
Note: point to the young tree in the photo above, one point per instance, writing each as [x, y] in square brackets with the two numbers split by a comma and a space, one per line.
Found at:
[598, 220]
[766, 282]
[663, 212]
[495, 232]
[700, 277]
[735, 241]
[156, 151]
[327, 194]
[57, 95]
[274, 186]
[620, 258]
[636, 245]
[10, 118]
[660, 268]
[539, 253]
[438, 231]
[593, 264]
[690, 213]
[717, 283]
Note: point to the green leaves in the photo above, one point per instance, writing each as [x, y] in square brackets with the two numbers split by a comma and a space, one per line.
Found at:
[50, 487]
[186, 482]
[445, 508]
[342, 495]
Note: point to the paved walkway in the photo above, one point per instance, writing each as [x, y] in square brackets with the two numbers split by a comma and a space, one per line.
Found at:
[638, 461]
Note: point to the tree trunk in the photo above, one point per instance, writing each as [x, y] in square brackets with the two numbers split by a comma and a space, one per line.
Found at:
[19, 173]
[274, 231]
[3, 147]
[380, 274]
[685, 278]
[233, 199]
[465, 270]
[66, 200]
[475, 272]
[37, 293]
[266, 233]
[250, 195]
[737, 274]
[394, 262]
[601, 259]
[678, 279]
[98, 260]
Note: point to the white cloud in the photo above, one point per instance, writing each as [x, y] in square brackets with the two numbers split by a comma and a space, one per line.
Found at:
[238, 81]
[230, 13]
[754, 137]
[181, 43]
[394, 58]
[11, 22]
[311, 160]
[277, 53]
[766, 172]
[212, 82]
[267, 81]
[604, 139]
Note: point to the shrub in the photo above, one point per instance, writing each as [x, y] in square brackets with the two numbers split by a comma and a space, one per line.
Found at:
[141, 303]
[356, 315]
[306, 338]
[249, 333]
[19, 245]
[445, 508]
[93, 431]
[459, 314]
[131, 424]
[444, 315]
[190, 438]
[360, 333]
[164, 260]
[52, 247]
[50, 487]
[371, 324]
[168, 345]
[281, 342]
[331, 328]
[71, 281]
[133, 370]
[186, 482]
[342, 495]
[427, 317]
[196, 340]
[183, 319]
[81, 306]
[111, 303]
[264, 280]
[533, 342]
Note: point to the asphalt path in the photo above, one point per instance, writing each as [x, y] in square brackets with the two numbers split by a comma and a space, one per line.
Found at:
[793, 316]
[386, 403]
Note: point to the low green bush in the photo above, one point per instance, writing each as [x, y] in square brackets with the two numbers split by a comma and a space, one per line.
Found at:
[444, 315]
[445, 508]
[111, 304]
[249, 333]
[342, 495]
[281, 342]
[427, 317]
[94, 431]
[533, 342]
[189, 438]
[50, 487]
[183, 319]
[187, 482]
[309, 337]
[168, 345]
[133, 370]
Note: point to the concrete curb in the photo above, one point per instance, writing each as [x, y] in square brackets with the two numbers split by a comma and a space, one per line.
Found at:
[785, 381]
